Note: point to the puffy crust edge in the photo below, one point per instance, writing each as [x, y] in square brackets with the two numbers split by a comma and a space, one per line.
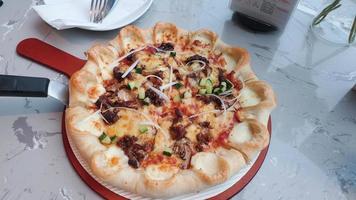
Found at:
[262, 110]
[259, 141]
[133, 33]
[164, 26]
[86, 143]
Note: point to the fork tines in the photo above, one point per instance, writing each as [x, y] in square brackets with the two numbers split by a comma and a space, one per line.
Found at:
[98, 10]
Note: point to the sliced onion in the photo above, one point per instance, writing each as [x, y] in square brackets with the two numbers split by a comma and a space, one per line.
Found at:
[159, 78]
[130, 68]
[221, 100]
[116, 62]
[232, 106]
[158, 49]
[103, 118]
[161, 94]
[197, 61]
[169, 85]
[131, 52]
[226, 93]
[150, 123]
[233, 99]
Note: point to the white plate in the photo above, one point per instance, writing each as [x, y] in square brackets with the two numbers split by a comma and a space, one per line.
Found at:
[123, 13]
[131, 18]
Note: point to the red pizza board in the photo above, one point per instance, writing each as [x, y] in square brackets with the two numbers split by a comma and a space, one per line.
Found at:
[54, 58]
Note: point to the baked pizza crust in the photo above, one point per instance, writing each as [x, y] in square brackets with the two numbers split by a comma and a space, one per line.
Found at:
[246, 139]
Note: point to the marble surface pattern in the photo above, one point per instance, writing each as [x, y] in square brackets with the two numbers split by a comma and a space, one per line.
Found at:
[313, 147]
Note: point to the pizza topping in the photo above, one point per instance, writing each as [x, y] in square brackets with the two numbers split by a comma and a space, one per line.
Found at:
[205, 124]
[143, 128]
[204, 138]
[163, 87]
[109, 100]
[134, 151]
[221, 76]
[177, 74]
[166, 47]
[126, 142]
[238, 85]
[141, 93]
[182, 149]
[195, 58]
[178, 112]
[118, 74]
[104, 139]
[110, 115]
[177, 132]
[156, 96]
[150, 50]
[218, 101]
[187, 94]
[133, 65]
[167, 152]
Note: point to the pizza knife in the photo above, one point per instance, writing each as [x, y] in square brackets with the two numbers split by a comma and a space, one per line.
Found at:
[24, 86]
[45, 54]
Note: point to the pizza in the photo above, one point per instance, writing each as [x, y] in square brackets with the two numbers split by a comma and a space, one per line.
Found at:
[164, 111]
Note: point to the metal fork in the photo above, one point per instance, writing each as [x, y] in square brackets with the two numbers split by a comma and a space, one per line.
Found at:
[98, 10]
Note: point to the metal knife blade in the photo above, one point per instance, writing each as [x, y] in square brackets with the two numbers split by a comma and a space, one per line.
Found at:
[24, 86]
[58, 91]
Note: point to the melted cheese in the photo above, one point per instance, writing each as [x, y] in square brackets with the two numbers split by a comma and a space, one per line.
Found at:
[151, 62]
[249, 98]
[91, 124]
[94, 91]
[110, 161]
[241, 133]
[192, 132]
[160, 172]
[204, 39]
[206, 162]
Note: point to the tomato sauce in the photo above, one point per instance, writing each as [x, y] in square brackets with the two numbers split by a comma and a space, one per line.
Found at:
[156, 158]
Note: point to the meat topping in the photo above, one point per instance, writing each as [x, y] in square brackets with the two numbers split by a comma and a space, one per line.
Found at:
[221, 76]
[117, 74]
[236, 82]
[166, 47]
[110, 115]
[182, 149]
[205, 124]
[197, 57]
[111, 99]
[178, 75]
[154, 97]
[126, 142]
[204, 98]
[179, 113]
[177, 132]
[134, 151]
[155, 81]
[203, 138]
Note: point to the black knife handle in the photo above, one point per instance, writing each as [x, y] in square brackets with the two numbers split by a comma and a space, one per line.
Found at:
[23, 86]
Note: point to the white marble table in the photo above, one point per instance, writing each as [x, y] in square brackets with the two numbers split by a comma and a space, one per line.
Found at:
[313, 148]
